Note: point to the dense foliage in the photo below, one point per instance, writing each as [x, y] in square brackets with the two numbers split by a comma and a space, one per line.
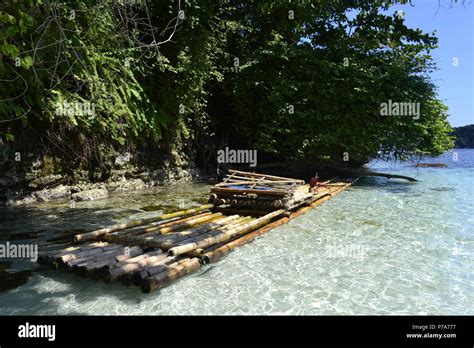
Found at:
[297, 79]
[464, 137]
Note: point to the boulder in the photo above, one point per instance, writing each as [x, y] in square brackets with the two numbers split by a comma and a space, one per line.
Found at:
[90, 195]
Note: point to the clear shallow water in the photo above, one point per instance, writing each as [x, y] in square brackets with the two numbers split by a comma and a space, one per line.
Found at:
[382, 247]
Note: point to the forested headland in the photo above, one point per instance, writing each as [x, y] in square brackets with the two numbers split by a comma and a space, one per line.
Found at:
[85, 82]
[464, 136]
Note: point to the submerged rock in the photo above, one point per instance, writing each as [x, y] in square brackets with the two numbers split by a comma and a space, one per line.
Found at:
[90, 195]
[57, 192]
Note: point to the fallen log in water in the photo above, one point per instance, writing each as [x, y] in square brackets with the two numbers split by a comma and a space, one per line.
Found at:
[359, 173]
[164, 278]
[134, 223]
[434, 165]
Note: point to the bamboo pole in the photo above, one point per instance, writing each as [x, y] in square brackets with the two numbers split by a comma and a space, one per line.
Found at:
[52, 256]
[134, 238]
[262, 175]
[263, 192]
[162, 279]
[260, 183]
[224, 235]
[86, 268]
[221, 221]
[167, 244]
[214, 232]
[113, 274]
[138, 277]
[136, 258]
[117, 235]
[112, 250]
[207, 234]
[134, 223]
[100, 273]
[85, 253]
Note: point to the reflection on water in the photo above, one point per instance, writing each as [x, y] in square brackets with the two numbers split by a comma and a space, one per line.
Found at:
[382, 247]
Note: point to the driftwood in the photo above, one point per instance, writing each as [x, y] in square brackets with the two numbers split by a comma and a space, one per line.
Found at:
[360, 172]
[434, 165]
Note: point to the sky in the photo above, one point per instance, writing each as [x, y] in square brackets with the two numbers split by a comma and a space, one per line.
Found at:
[455, 32]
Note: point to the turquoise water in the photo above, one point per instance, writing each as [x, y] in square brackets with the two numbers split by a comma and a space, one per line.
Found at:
[381, 247]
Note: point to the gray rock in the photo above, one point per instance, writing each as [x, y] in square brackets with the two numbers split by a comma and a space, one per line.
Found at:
[57, 192]
[90, 195]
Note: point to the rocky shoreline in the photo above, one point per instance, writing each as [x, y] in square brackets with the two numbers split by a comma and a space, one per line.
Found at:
[15, 191]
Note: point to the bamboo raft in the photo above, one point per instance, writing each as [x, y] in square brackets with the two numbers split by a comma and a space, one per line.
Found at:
[153, 252]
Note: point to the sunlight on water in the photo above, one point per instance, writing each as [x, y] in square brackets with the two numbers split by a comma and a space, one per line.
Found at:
[382, 247]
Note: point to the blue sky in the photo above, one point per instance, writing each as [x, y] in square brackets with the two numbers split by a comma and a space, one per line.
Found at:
[455, 32]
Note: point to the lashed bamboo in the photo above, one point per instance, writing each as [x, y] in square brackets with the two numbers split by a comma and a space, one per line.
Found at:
[238, 191]
[101, 253]
[125, 238]
[134, 223]
[114, 273]
[136, 278]
[97, 263]
[214, 232]
[224, 235]
[85, 253]
[285, 183]
[156, 240]
[260, 211]
[53, 255]
[117, 235]
[164, 278]
[134, 259]
[220, 252]
[101, 273]
[206, 234]
[232, 171]
[167, 244]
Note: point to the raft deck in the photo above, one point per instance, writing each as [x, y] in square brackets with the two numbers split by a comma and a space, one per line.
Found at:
[153, 252]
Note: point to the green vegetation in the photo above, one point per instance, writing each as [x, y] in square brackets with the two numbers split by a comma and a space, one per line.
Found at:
[464, 137]
[292, 79]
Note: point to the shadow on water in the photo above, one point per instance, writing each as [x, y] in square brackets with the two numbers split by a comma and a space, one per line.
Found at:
[12, 280]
